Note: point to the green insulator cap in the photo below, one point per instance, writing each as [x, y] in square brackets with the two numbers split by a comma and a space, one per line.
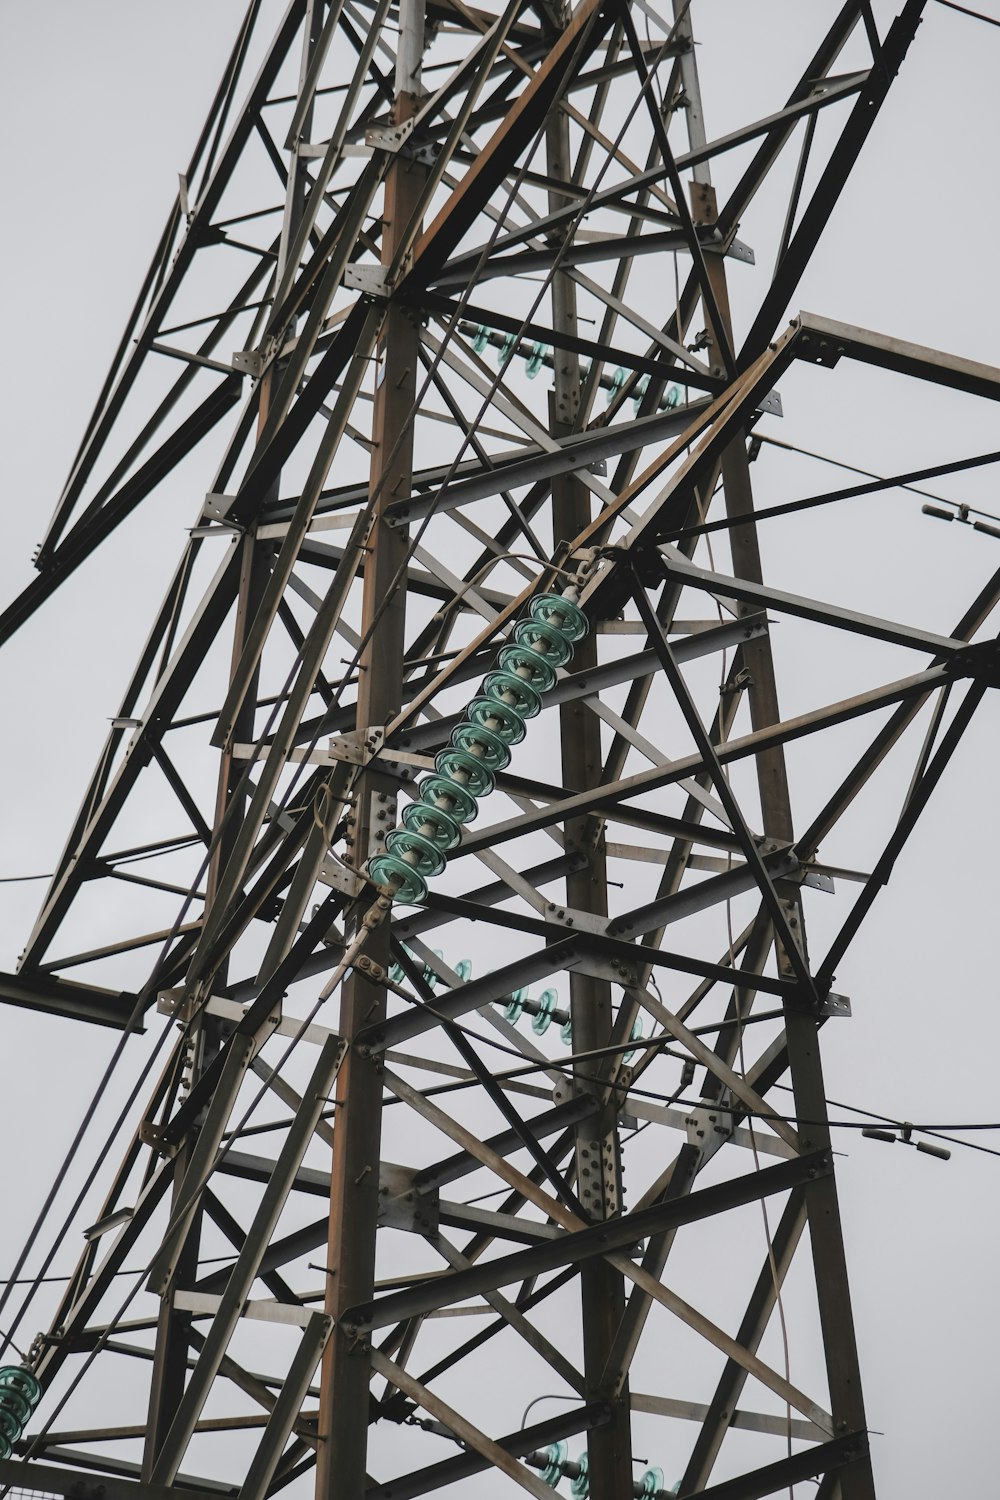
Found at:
[642, 386]
[401, 878]
[543, 638]
[431, 976]
[535, 360]
[5, 1448]
[500, 719]
[515, 693]
[495, 754]
[566, 1033]
[506, 349]
[634, 1036]
[673, 397]
[459, 802]
[15, 1405]
[553, 1471]
[428, 861]
[481, 339]
[542, 676]
[514, 1009]
[433, 823]
[547, 1002]
[652, 1481]
[562, 614]
[464, 969]
[10, 1427]
[479, 779]
[16, 1377]
[580, 1486]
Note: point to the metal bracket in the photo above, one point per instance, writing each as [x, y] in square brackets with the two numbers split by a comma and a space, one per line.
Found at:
[614, 970]
[400, 1205]
[341, 878]
[819, 882]
[248, 362]
[154, 1136]
[599, 1177]
[371, 280]
[818, 350]
[388, 137]
[381, 820]
[836, 1005]
[216, 508]
[571, 916]
[739, 251]
[173, 1003]
[705, 1123]
[426, 154]
[358, 747]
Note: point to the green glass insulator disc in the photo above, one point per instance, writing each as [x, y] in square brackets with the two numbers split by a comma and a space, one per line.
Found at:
[464, 969]
[10, 1427]
[513, 658]
[553, 1471]
[401, 878]
[443, 830]
[566, 1033]
[15, 1405]
[543, 638]
[562, 614]
[634, 1036]
[477, 779]
[431, 975]
[451, 798]
[547, 1002]
[580, 1486]
[428, 859]
[475, 738]
[16, 1377]
[515, 693]
[652, 1481]
[5, 1448]
[498, 718]
[514, 1009]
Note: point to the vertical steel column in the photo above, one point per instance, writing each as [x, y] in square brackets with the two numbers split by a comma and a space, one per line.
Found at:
[172, 1347]
[598, 1165]
[801, 1019]
[170, 1362]
[346, 1371]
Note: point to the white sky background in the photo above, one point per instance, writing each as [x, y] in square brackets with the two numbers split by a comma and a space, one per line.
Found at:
[100, 108]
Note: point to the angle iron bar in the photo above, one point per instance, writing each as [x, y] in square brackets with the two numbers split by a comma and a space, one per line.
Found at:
[826, 194]
[757, 865]
[245, 1271]
[721, 1410]
[437, 1476]
[610, 794]
[576, 1245]
[111, 399]
[285, 1412]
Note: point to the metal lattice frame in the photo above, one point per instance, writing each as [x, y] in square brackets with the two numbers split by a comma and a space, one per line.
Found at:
[446, 183]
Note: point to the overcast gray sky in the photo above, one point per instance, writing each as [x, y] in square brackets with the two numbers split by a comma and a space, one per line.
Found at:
[100, 107]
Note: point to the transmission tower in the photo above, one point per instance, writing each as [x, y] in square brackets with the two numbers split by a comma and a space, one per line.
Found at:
[444, 842]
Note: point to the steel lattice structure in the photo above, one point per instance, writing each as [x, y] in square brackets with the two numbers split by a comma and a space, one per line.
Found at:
[349, 1152]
